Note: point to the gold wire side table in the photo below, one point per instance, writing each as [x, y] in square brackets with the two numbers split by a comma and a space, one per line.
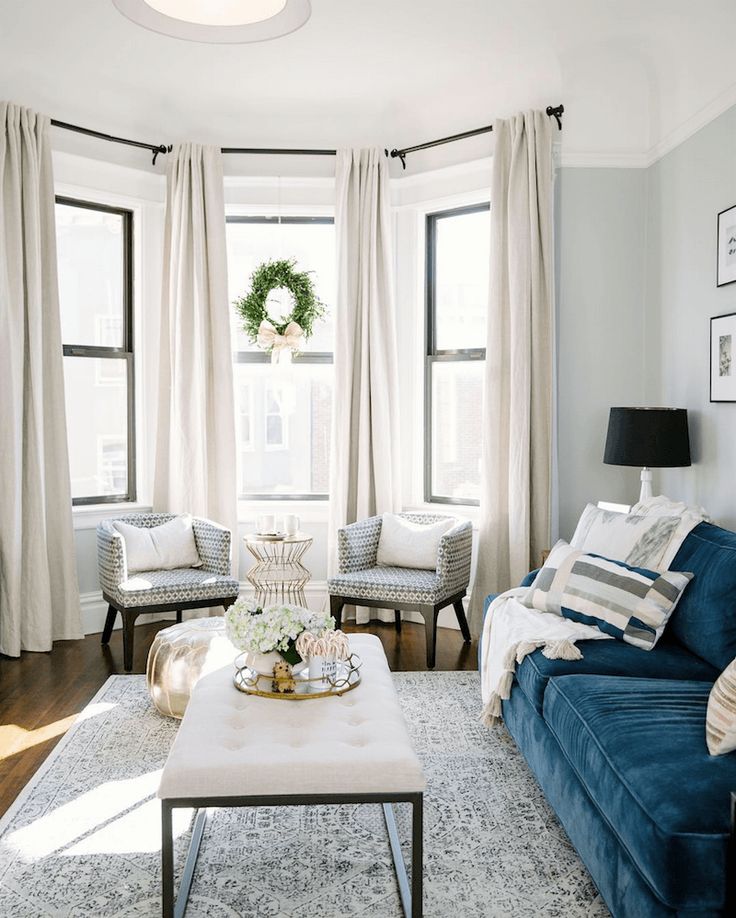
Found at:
[278, 574]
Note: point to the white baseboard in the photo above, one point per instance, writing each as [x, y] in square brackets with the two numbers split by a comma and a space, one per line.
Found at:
[94, 608]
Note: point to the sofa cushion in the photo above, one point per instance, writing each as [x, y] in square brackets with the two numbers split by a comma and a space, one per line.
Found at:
[705, 619]
[668, 660]
[638, 747]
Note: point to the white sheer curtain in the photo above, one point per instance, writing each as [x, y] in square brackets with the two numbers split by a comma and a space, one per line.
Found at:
[365, 474]
[516, 466]
[195, 448]
[39, 596]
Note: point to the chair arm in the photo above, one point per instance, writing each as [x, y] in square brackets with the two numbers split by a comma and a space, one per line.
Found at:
[214, 544]
[112, 562]
[453, 558]
[357, 545]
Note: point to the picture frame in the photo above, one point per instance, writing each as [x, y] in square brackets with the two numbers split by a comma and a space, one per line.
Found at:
[723, 358]
[726, 254]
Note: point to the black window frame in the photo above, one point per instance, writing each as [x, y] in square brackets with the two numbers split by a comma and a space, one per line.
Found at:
[434, 354]
[314, 357]
[116, 353]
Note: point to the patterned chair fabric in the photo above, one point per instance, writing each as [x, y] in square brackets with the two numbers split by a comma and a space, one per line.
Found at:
[360, 577]
[155, 588]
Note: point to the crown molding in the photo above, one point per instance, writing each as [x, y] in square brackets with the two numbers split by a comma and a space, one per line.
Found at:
[692, 125]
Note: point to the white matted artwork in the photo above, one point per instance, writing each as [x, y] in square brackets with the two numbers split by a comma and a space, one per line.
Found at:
[723, 358]
[726, 267]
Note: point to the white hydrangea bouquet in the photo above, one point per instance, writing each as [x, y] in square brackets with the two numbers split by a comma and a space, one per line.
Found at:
[267, 634]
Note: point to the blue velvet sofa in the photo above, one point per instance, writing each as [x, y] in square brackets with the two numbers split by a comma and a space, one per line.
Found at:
[617, 743]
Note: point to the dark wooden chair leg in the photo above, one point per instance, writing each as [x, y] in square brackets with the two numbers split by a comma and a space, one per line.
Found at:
[397, 617]
[129, 618]
[461, 620]
[429, 614]
[178, 616]
[109, 622]
[336, 604]
[226, 605]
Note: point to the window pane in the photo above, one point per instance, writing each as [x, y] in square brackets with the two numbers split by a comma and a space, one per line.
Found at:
[284, 448]
[457, 389]
[90, 258]
[461, 280]
[312, 245]
[97, 425]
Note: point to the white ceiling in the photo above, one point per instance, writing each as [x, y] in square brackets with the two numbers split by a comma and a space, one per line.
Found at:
[635, 76]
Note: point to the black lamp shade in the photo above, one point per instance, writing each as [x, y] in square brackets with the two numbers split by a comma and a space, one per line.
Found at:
[654, 437]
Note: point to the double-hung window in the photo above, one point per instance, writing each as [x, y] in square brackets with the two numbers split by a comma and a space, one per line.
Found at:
[95, 266]
[283, 411]
[456, 284]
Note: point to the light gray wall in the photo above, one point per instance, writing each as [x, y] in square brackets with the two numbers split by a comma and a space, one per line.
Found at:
[600, 274]
[687, 189]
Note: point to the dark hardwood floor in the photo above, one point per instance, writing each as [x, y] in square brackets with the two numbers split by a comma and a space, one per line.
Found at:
[41, 692]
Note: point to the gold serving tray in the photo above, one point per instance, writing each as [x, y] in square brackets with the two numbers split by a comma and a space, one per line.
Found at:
[251, 682]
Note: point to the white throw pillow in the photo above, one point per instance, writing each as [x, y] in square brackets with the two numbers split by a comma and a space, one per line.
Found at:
[160, 548]
[650, 540]
[407, 544]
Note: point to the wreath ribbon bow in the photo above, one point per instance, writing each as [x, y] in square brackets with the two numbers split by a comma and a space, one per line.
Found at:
[290, 341]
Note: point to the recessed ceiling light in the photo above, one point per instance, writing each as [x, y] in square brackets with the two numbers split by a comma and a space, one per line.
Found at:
[218, 21]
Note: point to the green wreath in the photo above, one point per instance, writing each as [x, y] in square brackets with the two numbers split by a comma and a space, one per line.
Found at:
[269, 276]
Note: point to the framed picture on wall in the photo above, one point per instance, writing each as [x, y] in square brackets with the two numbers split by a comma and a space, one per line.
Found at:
[726, 270]
[723, 358]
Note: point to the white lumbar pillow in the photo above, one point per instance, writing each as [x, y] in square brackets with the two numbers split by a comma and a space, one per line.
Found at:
[407, 544]
[160, 548]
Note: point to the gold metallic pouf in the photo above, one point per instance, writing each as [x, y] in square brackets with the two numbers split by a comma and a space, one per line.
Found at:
[179, 656]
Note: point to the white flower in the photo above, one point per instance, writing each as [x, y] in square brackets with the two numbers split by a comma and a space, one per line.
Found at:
[274, 628]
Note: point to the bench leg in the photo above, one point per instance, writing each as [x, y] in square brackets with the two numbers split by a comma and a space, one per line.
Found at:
[167, 862]
[417, 856]
[397, 618]
[178, 616]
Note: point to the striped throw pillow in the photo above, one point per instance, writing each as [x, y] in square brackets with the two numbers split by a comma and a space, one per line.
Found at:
[632, 604]
[720, 721]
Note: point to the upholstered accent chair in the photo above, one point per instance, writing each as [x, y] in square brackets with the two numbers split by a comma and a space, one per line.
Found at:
[362, 582]
[162, 591]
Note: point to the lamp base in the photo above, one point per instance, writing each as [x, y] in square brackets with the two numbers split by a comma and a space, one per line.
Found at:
[646, 484]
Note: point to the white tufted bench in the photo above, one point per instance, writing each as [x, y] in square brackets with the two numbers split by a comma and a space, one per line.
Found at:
[234, 749]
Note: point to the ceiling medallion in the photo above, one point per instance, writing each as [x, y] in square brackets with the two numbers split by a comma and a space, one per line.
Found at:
[218, 21]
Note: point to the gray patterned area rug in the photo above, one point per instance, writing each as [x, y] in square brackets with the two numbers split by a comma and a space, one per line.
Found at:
[84, 837]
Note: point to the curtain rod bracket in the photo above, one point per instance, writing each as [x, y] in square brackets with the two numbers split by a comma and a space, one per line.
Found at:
[556, 112]
[401, 155]
[162, 148]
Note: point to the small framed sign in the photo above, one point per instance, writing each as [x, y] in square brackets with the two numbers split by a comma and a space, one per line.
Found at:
[723, 358]
[726, 269]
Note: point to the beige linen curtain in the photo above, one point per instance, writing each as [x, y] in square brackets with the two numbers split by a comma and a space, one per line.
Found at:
[516, 465]
[195, 448]
[365, 475]
[39, 596]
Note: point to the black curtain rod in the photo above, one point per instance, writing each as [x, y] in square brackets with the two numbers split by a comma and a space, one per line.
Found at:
[553, 111]
[155, 148]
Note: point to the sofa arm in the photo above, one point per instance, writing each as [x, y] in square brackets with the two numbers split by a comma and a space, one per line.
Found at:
[112, 563]
[214, 544]
[357, 545]
[453, 559]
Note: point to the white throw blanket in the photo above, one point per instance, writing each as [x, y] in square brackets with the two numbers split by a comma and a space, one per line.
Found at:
[510, 632]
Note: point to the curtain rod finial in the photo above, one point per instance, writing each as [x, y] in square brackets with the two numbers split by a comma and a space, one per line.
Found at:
[401, 155]
[162, 148]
